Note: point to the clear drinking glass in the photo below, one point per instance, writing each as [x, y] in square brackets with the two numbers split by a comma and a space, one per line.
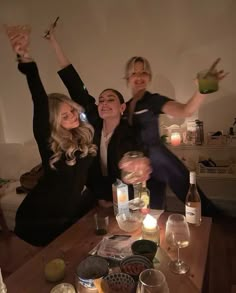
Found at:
[207, 81]
[152, 281]
[177, 235]
[132, 174]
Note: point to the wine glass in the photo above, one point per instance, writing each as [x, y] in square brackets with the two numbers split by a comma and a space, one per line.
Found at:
[131, 173]
[152, 281]
[13, 32]
[177, 235]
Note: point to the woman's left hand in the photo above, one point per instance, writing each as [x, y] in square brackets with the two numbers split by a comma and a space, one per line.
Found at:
[219, 74]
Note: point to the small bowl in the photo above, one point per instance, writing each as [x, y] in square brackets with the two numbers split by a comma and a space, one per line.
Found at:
[145, 248]
[63, 287]
[129, 222]
[118, 283]
[133, 265]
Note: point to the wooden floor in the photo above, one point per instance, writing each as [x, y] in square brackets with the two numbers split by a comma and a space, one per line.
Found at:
[222, 256]
[221, 275]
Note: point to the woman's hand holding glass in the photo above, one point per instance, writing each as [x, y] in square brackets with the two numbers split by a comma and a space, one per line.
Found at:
[135, 167]
[177, 235]
[19, 37]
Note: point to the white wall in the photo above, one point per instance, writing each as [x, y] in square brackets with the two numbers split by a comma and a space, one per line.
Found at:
[178, 37]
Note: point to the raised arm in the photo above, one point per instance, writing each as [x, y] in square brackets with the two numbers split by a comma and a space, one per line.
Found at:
[180, 110]
[72, 80]
[41, 128]
[177, 109]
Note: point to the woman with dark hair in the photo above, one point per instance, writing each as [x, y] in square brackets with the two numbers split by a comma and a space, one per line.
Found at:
[65, 143]
[113, 136]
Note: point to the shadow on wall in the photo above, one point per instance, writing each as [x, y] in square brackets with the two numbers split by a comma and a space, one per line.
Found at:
[162, 85]
[211, 113]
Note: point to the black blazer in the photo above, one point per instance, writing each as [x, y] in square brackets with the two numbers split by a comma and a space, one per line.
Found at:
[122, 140]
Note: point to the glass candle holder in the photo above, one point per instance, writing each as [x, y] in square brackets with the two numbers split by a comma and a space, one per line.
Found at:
[150, 229]
[175, 138]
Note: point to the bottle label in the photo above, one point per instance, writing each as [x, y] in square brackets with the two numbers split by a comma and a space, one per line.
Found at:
[193, 214]
[122, 198]
[192, 177]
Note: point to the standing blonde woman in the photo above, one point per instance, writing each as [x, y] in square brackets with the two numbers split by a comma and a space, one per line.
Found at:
[142, 113]
[66, 147]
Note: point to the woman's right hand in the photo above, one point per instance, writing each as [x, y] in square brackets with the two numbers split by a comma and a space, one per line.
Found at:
[139, 167]
[19, 37]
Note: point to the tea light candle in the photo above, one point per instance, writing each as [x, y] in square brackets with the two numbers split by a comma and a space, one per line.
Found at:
[150, 229]
[149, 223]
[175, 138]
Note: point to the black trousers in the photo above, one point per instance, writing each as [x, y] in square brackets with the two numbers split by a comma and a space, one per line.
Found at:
[168, 169]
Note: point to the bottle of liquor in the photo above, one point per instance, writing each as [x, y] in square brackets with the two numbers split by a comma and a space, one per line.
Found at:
[145, 198]
[193, 202]
[199, 132]
[120, 197]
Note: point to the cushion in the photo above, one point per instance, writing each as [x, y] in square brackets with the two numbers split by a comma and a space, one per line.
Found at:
[10, 202]
[17, 159]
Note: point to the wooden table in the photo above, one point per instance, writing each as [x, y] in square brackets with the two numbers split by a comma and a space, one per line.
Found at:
[74, 245]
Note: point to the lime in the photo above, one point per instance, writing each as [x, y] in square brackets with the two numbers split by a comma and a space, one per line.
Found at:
[54, 270]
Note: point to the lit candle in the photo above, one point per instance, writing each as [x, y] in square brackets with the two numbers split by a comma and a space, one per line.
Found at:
[150, 229]
[175, 138]
[150, 223]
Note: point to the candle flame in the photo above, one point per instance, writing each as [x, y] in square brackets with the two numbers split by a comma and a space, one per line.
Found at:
[150, 222]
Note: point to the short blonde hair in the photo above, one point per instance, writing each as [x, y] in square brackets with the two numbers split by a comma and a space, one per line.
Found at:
[129, 67]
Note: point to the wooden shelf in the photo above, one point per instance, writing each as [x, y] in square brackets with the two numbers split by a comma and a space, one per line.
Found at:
[217, 176]
[201, 147]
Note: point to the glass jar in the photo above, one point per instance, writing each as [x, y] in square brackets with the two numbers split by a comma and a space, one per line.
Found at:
[150, 229]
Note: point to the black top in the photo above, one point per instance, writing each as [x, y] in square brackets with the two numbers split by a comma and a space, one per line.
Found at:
[56, 202]
[145, 117]
[122, 140]
[167, 168]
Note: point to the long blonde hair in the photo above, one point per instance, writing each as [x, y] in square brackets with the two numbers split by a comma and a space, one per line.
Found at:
[64, 141]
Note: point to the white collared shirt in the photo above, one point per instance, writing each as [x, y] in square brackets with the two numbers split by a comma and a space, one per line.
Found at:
[103, 151]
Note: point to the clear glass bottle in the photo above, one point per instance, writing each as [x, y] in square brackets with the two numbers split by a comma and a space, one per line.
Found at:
[120, 195]
[193, 202]
[145, 198]
[132, 156]
[234, 126]
[3, 288]
[199, 132]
